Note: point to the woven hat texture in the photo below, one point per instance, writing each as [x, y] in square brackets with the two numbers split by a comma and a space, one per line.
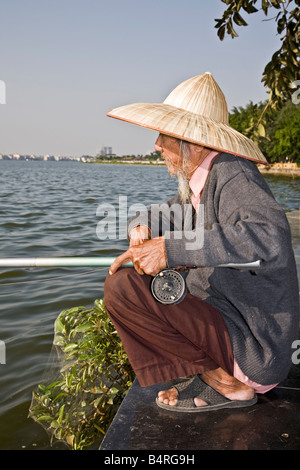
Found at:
[195, 111]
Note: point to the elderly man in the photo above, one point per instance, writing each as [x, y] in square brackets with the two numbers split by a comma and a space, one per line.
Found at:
[233, 331]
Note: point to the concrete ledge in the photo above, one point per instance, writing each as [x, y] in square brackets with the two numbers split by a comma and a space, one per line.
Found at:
[272, 424]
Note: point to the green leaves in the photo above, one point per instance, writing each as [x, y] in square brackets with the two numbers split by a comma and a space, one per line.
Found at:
[276, 3]
[232, 15]
[94, 375]
[265, 6]
[284, 66]
[276, 132]
[284, 135]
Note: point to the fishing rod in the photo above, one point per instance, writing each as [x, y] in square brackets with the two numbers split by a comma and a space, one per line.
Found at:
[61, 262]
[92, 261]
[167, 287]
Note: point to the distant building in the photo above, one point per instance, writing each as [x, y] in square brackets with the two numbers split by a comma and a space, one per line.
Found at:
[105, 152]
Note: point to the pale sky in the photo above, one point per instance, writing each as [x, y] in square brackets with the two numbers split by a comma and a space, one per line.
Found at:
[66, 63]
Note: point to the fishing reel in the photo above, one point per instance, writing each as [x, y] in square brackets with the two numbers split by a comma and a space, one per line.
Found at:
[168, 286]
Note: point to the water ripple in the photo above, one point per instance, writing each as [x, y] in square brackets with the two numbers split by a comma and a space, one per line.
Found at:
[49, 209]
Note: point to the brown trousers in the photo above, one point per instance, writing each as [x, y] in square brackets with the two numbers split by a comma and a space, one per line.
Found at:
[165, 342]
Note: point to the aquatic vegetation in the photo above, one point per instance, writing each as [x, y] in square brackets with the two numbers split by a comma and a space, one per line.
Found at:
[90, 375]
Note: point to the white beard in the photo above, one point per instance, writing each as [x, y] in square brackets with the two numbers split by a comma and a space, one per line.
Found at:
[184, 189]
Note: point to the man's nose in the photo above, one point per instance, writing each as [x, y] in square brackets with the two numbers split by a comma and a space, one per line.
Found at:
[158, 144]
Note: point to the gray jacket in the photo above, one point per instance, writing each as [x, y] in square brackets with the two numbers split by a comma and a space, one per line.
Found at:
[243, 223]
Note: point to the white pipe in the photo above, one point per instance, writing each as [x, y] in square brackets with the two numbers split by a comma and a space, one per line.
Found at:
[93, 261]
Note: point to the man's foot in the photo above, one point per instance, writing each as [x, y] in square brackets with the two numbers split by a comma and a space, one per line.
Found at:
[220, 381]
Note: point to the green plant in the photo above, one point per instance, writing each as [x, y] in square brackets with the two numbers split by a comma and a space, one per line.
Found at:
[92, 377]
[276, 133]
[283, 68]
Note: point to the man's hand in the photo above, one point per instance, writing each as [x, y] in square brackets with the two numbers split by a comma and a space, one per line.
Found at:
[139, 234]
[147, 258]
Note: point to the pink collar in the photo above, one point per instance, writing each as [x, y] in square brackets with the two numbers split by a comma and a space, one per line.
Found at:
[199, 176]
[198, 179]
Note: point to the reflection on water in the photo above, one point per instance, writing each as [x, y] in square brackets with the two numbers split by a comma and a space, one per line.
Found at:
[49, 209]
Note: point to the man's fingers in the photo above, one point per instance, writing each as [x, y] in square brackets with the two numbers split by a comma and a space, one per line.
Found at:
[139, 234]
[147, 258]
[122, 259]
[134, 241]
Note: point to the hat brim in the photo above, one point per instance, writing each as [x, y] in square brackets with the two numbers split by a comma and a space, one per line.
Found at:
[194, 128]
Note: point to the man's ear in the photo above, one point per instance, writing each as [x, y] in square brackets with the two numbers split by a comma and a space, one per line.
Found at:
[197, 148]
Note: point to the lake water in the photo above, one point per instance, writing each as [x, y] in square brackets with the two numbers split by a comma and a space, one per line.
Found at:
[50, 209]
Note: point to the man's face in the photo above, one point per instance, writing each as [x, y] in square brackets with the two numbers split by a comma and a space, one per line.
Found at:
[170, 152]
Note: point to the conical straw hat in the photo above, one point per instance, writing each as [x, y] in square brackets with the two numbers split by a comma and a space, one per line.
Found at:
[195, 111]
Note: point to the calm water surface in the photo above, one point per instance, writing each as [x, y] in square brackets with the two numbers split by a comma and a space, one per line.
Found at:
[49, 209]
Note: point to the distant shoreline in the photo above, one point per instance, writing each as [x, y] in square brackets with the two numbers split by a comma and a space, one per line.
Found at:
[283, 169]
[278, 171]
[127, 162]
